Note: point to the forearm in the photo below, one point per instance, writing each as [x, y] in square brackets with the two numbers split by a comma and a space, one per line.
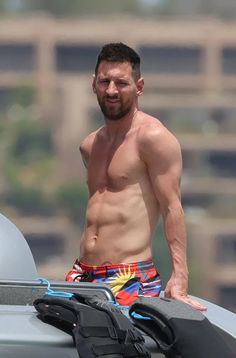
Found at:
[175, 233]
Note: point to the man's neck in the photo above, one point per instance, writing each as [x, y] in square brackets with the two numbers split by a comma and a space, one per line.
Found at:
[121, 126]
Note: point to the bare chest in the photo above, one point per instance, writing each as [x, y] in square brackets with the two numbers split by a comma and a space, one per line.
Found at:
[114, 165]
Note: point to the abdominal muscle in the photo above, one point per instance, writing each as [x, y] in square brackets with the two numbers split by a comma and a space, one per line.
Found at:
[119, 227]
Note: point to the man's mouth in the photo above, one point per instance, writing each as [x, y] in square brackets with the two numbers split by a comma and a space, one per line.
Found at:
[112, 100]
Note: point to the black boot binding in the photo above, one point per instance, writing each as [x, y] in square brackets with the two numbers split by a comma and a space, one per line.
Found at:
[98, 327]
[178, 329]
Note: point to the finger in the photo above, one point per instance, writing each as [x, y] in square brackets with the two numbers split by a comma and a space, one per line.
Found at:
[198, 306]
[193, 303]
[185, 299]
[167, 294]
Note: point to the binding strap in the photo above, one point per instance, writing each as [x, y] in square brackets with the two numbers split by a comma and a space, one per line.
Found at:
[99, 328]
[178, 328]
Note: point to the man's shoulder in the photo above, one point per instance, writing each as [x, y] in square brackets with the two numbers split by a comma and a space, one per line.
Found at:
[155, 140]
[88, 141]
[87, 145]
[152, 129]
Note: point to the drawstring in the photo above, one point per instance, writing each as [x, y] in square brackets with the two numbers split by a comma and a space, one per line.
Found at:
[53, 293]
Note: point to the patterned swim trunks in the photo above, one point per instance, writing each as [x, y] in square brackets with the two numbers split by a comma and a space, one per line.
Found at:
[127, 281]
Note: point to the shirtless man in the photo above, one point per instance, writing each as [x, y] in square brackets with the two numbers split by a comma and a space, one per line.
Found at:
[133, 174]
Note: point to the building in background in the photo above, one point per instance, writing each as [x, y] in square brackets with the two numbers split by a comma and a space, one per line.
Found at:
[190, 84]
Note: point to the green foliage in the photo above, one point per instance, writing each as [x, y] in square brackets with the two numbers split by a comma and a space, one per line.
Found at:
[72, 198]
[195, 277]
[78, 8]
[150, 8]
[31, 141]
[30, 201]
[27, 161]
[161, 255]
[24, 96]
[5, 140]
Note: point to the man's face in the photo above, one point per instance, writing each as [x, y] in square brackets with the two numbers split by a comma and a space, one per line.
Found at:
[116, 89]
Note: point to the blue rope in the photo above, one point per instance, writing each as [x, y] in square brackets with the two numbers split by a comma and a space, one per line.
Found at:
[139, 316]
[53, 293]
[133, 314]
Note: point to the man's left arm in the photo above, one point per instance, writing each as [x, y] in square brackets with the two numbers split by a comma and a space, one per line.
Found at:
[162, 155]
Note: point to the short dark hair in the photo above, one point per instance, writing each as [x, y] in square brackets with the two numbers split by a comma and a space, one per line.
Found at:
[119, 52]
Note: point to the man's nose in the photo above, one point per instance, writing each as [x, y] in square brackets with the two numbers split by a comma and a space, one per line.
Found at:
[111, 89]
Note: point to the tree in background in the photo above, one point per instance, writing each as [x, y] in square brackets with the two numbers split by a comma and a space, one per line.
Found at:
[28, 180]
[152, 8]
[76, 8]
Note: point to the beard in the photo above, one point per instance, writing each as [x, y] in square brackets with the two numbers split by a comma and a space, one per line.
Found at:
[114, 112]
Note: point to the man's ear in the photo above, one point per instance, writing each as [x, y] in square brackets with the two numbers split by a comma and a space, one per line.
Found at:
[140, 86]
[93, 84]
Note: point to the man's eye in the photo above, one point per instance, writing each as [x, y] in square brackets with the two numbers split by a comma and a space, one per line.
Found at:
[103, 81]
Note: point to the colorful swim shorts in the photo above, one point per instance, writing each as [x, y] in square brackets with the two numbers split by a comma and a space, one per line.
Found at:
[127, 281]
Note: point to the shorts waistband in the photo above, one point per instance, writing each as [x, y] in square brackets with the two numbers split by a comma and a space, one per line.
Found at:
[148, 264]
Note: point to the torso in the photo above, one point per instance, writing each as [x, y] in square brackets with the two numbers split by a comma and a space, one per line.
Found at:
[122, 211]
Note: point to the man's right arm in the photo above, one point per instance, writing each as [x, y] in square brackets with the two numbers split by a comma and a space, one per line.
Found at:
[84, 155]
[85, 149]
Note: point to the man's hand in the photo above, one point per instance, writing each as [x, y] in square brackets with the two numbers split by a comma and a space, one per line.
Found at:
[177, 288]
